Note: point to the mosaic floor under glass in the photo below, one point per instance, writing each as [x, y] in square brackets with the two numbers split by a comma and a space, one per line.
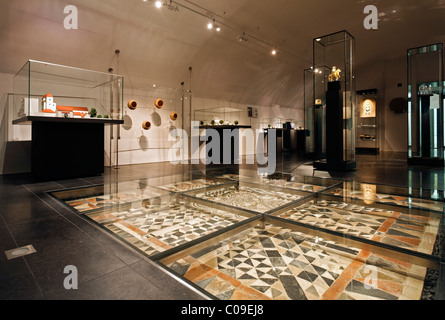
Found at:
[282, 237]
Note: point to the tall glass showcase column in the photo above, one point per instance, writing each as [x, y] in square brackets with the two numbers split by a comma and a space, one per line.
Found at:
[425, 105]
[334, 89]
[315, 87]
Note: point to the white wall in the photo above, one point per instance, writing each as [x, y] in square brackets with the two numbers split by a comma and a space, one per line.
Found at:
[138, 146]
[385, 77]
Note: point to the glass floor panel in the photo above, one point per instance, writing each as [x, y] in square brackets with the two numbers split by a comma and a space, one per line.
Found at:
[401, 228]
[273, 262]
[283, 180]
[403, 197]
[249, 196]
[163, 223]
[107, 196]
[247, 236]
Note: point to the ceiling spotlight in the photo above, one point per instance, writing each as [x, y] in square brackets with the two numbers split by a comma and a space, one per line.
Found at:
[158, 4]
[210, 25]
[218, 28]
[242, 38]
[171, 6]
[274, 52]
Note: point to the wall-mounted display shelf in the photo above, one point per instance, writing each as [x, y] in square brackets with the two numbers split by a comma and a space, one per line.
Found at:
[367, 122]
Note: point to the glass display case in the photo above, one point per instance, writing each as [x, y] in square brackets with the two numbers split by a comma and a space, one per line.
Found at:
[425, 105]
[222, 116]
[295, 124]
[48, 90]
[271, 123]
[315, 82]
[334, 89]
[367, 122]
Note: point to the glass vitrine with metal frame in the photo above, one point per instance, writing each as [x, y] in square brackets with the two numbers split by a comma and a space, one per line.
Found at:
[334, 87]
[425, 105]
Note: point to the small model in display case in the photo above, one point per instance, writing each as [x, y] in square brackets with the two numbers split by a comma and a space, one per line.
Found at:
[223, 116]
[45, 90]
[49, 106]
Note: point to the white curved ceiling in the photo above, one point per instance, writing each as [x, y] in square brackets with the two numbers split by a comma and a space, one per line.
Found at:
[159, 46]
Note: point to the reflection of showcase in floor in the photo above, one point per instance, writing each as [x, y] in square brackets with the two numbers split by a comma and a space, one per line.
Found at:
[399, 200]
[286, 237]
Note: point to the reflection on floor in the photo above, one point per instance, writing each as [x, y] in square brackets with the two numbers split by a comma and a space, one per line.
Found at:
[203, 228]
[390, 199]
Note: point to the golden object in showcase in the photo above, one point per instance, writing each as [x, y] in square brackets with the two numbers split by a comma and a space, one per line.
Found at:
[132, 105]
[335, 74]
[159, 103]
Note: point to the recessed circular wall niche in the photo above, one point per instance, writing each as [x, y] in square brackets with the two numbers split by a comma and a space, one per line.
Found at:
[132, 105]
[174, 116]
[159, 103]
[146, 125]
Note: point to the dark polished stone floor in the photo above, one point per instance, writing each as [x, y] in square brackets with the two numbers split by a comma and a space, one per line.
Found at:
[108, 269]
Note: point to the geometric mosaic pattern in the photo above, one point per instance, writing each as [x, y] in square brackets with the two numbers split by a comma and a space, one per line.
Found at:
[254, 199]
[192, 185]
[280, 264]
[292, 185]
[408, 231]
[154, 231]
[271, 262]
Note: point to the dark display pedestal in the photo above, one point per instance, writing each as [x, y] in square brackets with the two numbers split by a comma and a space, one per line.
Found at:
[67, 148]
[372, 151]
[301, 141]
[334, 132]
[279, 140]
[426, 127]
[227, 162]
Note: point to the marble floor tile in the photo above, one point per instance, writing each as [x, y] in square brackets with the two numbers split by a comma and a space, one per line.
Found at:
[282, 264]
[269, 262]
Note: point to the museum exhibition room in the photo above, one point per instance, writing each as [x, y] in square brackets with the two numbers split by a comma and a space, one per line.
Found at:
[222, 150]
